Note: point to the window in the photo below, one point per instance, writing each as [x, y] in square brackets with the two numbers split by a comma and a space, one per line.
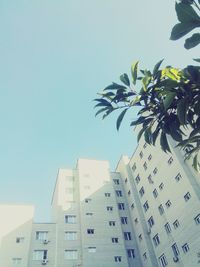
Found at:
[89, 214]
[92, 249]
[149, 157]
[156, 240]
[107, 194]
[155, 171]
[197, 219]
[39, 255]
[126, 180]
[175, 249]
[176, 224]
[141, 154]
[16, 261]
[118, 258]
[161, 209]
[71, 254]
[185, 248]
[121, 206]
[134, 167]
[112, 223]
[141, 191]
[87, 200]
[124, 220]
[19, 239]
[170, 160]
[145, 166]
[145, 145]
[146, 206]
[140, 237]
[129, 193]
[109, 208]
[116, 181]
[70, 235]
[118, 193]
[151, 221]
[145, 256]
[161, 186]
[132, 206]
[155, 193]
[187, 196]
[150, 179]
[90, 231]
[41, 235]
[167, 228]
[115, 239]
[127, 235]
[136, 220]
[137, 179]
[178, 177]
[168, 204]
[131, 253]
[163, 260]
[70, 219]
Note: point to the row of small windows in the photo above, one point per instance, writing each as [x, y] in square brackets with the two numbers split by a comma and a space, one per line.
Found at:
[71, 254]
[163, 259]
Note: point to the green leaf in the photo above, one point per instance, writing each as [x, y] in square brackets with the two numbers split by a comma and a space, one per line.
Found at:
[140, 134]
[100, 111]
[186, 13]
[145, 81]
[148, 136]
[193, 41]
[120, 118]
[138, 121]
[124, 78]
[168, 100]
[134, 69]
[103, 104]
[136, 100]
[195, 132]
[164, 143]
[115, 86]
[156, 67]
[195, 163]
[197, 59]
[155, 135]
[182, 111]
[181, 29]
[175, 134]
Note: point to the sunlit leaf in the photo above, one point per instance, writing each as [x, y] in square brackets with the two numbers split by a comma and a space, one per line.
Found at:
[134, 69]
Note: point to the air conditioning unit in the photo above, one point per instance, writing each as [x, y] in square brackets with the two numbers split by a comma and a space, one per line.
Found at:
[45, 241]
[175, 259]
[44, 262]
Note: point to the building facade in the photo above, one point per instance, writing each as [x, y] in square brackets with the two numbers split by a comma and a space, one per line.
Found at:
[144, 214]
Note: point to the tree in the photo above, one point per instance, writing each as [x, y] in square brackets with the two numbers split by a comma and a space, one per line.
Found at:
[168, 98]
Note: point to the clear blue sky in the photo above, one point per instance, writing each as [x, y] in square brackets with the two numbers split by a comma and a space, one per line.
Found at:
[54, 57]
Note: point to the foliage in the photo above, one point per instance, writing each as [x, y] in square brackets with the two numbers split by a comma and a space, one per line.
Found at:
[168, 99]
[189, 19]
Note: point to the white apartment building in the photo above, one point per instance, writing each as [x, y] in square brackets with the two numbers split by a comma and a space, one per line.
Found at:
[145, 214]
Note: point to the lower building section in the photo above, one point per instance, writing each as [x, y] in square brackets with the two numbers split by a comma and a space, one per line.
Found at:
[145, 214]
